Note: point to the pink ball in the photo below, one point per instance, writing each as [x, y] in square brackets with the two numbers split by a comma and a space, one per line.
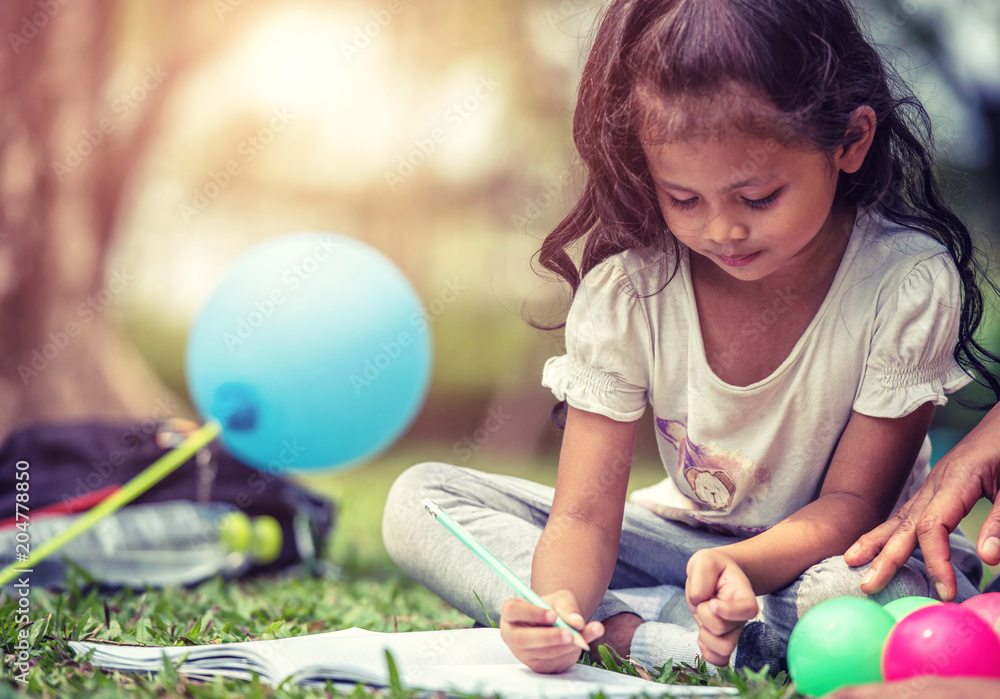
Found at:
[986, 606]
[943, 640]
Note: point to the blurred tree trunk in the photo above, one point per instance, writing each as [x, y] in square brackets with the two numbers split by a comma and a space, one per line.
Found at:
[67, 156]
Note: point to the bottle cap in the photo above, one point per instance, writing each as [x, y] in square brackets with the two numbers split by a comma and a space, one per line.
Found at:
[235, 531]
[267, 537]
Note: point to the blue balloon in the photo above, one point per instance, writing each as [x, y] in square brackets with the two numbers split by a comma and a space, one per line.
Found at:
[313, 353]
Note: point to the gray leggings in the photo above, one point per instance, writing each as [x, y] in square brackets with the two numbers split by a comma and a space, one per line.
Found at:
[507, 514]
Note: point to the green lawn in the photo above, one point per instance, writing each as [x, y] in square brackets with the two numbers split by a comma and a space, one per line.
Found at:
[361, 588]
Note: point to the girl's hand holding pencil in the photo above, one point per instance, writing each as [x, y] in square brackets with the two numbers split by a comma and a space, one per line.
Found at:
[536, 628]
[721, 600]
[528, 630]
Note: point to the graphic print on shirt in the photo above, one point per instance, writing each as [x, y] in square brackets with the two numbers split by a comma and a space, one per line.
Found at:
[710, 472]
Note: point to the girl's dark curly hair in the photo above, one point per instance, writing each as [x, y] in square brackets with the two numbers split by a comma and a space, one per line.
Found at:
[793, 70]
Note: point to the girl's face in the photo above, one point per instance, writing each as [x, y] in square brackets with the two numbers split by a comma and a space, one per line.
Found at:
[749, 205]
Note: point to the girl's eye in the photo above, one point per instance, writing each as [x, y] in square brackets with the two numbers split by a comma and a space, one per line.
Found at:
[762, 203]
[676, 203]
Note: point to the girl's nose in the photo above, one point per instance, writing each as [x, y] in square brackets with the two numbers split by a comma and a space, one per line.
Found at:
[722, 230]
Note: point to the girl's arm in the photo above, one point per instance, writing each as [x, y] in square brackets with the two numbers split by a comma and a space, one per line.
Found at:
[578, 549]
[871, 463]
[869, 467]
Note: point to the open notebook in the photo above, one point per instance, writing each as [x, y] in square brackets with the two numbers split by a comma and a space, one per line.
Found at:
[457, 660]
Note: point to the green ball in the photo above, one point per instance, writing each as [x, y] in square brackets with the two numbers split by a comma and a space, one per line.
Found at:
[235, 531]
[899, 608]
[266, 542]
[838, 643]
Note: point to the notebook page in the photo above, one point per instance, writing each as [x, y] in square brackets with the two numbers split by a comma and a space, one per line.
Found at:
[463, 660]
[352, 654]
[478, 661]
[215, 659]
[358, 654]
[517, 681]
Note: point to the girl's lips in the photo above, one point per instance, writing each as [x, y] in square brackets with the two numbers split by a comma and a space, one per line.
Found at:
[738, 261]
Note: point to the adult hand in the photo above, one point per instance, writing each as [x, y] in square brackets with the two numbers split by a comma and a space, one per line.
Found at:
[721, 600]
[529, 632]
[924, 688]
[969, 471]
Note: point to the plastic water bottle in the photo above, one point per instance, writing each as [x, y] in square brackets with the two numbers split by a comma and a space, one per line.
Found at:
[154, 545]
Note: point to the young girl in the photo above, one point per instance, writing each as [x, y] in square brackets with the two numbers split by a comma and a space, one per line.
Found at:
[768, 264]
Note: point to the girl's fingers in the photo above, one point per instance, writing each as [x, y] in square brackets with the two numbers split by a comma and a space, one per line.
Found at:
[702, 579]
[712, 624]
[592, 631]
[520, 611]
[718, 649]
[530, 632]
[564, 603]
[541, 641]
[717, 625]
[740, 608]
[554, 664]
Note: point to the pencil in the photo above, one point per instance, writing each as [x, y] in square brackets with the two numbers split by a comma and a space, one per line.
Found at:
[499, 568]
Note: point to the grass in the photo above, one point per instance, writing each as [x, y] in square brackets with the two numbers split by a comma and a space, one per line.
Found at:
[361, 587]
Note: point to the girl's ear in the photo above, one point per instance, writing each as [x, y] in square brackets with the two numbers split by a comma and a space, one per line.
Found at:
[861, 130]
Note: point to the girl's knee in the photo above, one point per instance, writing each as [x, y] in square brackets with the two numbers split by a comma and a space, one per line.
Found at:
[404, 517]
[832, 577]
[909, 581]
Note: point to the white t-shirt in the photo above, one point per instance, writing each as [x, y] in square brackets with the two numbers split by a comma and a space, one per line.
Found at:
[741, 459]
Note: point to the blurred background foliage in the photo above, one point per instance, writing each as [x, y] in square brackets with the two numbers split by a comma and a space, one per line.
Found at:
[438, 132]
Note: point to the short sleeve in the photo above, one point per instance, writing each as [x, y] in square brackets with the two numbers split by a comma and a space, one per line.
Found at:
[606, 367]
[911, 360]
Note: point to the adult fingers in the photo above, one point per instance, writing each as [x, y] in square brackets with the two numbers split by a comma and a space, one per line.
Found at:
[898, 534]
[989, 537]
[924, 688]
[932, 533]
[950, 504]
[893, 554]
[871, 544]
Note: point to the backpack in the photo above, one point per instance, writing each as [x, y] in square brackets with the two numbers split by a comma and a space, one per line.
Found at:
[75, 465]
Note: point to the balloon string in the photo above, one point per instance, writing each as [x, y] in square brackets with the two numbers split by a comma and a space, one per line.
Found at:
[149, 477]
